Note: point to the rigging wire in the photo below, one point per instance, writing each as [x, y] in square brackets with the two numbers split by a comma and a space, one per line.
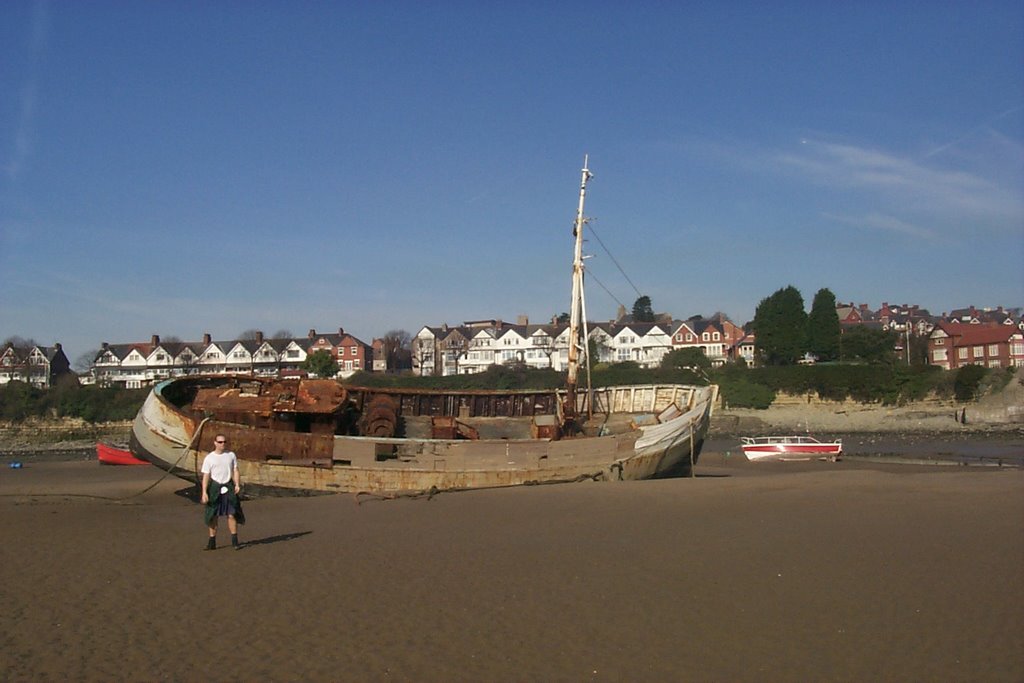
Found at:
[590, 274]
[615, 261]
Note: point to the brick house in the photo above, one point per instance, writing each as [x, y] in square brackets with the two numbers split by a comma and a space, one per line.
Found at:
[953, 345]
[855, 314]
[352, 354]
[719, 338]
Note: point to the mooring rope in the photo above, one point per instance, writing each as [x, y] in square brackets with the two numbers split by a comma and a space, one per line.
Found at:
[118, 499]
[434, 491]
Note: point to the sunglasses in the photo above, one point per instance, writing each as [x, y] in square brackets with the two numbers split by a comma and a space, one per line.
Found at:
[220, 441]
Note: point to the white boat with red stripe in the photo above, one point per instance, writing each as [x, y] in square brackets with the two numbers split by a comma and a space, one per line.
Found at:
[758, 448]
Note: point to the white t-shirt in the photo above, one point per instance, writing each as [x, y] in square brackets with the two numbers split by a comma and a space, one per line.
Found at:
[220, 465]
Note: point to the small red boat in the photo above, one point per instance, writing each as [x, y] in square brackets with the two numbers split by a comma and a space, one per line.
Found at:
[111, 455]
[791, 448]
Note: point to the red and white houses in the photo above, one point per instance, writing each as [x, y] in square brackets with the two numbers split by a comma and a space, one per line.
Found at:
[953, 345]
[138, 364]
[39, 366]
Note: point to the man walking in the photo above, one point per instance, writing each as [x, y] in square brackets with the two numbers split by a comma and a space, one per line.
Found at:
[221, 486]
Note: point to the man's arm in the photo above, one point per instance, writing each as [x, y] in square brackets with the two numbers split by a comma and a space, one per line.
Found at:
[206, 486]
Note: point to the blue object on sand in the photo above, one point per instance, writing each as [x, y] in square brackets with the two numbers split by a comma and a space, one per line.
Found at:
[15, 465]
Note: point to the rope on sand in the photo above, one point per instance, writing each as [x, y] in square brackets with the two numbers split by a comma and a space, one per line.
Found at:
[118, 499]
[434, 491]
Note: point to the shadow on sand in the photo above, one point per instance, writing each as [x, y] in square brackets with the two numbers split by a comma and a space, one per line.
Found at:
[275, 539]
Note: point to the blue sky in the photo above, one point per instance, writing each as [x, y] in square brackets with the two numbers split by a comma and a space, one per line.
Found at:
[189, 167]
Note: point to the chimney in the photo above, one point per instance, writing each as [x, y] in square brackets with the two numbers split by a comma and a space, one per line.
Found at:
[155, 340]
[621, 313]
[57, 346]
[522, 319]
[312, 333]
[341, 331]
[104, 346]
[206, 339]
[259, 336]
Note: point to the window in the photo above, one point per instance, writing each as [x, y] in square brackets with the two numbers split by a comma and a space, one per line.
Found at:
[979, 351]
[961, 353]
[993, 350]
[353, 350]
[939, 355]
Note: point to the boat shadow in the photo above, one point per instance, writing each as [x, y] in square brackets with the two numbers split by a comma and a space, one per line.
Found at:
[189, 492]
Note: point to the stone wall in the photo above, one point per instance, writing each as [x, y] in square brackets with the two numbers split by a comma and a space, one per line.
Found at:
[63, 433]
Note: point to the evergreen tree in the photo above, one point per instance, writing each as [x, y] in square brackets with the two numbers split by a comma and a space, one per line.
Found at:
[780, 326]
[642, 310]
[823, 326]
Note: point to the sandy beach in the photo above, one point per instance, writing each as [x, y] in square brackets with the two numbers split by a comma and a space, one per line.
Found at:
[766, 572]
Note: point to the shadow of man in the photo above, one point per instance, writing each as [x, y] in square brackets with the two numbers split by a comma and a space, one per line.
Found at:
[274, 539]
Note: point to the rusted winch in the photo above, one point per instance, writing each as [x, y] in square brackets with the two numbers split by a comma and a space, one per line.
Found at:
[380, 417]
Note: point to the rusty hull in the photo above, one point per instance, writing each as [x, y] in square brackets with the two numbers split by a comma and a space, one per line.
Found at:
[168, 435]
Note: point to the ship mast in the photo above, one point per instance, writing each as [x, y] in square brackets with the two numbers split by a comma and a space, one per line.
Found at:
[577, 342]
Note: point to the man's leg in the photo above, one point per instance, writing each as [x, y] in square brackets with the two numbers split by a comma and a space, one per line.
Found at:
[211, 543]
[233, 528]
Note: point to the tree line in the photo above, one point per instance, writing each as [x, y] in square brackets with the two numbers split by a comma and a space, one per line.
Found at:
[740, 386]
[785, 334]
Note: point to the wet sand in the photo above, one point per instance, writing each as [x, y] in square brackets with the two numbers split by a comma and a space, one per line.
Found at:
[763, 572]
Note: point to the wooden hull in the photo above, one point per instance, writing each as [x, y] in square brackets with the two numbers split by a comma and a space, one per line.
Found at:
[110, 455]
[173, 439]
